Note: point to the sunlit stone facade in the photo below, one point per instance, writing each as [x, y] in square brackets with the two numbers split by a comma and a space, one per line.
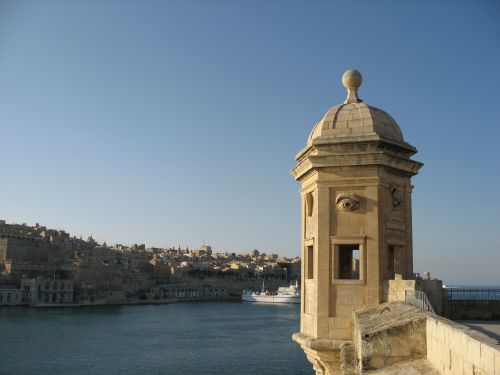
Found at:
[355, 174]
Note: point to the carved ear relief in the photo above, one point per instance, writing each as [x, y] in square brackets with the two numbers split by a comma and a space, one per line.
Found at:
[309, 203]
[396, 195]
[347, 201]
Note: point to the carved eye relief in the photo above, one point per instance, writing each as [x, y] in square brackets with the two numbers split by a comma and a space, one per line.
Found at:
[347, 202]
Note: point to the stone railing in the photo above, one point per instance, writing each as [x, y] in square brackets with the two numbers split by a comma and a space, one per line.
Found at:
[471, 303]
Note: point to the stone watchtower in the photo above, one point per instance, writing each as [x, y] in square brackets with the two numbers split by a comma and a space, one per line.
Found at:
[356, 225]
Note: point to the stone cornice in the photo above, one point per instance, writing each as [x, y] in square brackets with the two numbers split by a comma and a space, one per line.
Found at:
[301, 168]
[343, 182]
[322, 141]
[379, 157]
[369, 158]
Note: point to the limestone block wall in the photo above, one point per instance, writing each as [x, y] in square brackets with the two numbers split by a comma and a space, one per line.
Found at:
[348, 300]
[394, 290]
[456, 349]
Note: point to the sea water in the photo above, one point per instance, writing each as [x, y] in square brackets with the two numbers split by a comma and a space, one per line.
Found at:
[181, 338]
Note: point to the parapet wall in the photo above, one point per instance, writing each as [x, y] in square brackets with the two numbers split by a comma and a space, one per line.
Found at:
[456, 349]
[398, 333]
[442, 302]
[472, 309]
[394, 290]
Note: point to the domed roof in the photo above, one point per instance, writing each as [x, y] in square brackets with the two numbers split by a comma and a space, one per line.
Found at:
[353, 120]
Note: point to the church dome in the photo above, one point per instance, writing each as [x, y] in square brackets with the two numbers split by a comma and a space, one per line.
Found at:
[354, 120]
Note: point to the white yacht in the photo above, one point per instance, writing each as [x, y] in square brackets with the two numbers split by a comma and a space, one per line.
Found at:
[284, 294]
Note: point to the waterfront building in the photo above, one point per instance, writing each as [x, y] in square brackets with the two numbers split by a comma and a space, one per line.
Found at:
[11, 297]
[189, 291]
[47, 291]
[204, 250]
[104, 274]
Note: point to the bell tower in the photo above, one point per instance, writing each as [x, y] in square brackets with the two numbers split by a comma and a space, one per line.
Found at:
[355, 174]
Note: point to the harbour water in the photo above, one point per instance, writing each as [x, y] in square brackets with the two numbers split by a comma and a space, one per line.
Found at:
[182, 338]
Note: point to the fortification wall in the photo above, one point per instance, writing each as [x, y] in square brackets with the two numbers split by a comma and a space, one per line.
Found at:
[29, 251]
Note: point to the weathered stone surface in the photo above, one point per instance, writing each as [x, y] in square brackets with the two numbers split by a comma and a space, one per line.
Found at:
[418, 367]
[385, 316]
[389, 333]
[348, 360]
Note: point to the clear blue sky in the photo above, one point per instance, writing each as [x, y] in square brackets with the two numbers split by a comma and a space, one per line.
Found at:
[174, 122]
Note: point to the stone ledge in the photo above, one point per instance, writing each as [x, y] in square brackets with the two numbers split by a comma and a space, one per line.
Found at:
[389, 333]
[313, 343]
[386, 316]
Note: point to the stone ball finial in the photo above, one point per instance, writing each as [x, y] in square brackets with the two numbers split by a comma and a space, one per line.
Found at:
[351, 80]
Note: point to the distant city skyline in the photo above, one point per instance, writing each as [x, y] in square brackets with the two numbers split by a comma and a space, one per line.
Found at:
[144, 244]
[170, 123]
